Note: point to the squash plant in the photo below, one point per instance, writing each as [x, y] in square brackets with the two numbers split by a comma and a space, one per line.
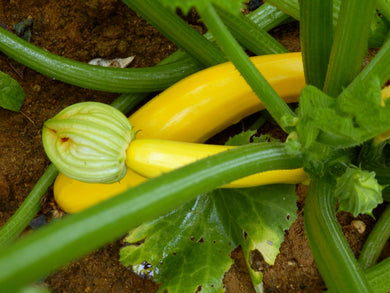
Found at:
[337, 134]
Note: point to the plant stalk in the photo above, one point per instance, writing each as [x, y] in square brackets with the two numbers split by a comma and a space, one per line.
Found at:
[257, 40]
[29, 208]
[332, 254]
[376, 241]
[272, 101]
[350, 44]
[60, 242]
[177, 31]
[109, 79]
[316, 34]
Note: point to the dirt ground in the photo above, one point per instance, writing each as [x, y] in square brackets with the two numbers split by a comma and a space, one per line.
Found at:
[83, 30]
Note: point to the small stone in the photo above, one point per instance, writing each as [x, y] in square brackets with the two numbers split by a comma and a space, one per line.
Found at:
[359, 225]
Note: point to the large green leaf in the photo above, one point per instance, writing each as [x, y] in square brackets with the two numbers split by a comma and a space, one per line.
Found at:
[189, 248]
[351, 119]
[11, 93]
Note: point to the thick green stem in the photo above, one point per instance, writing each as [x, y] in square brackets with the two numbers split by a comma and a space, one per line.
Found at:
[268, 16]
[384, 8]
[376, 241]
[118, 80]
[272, 101]
[332, 254]
[377, 67]
[255, 39]
[350, 44]
[290, 7]
[316, 31]
[378, 27]
[114, 79]
[177, 31]
[379, 276]
[29, 208]
[58, 243]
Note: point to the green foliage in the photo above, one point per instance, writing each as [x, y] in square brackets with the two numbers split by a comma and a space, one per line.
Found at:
[358, 191]
[190, 246]
[241, 138]
[351, 119]
[231, 5]
[11, 93]
[246, 137]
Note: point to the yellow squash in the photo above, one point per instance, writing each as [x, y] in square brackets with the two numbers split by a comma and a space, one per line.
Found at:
[154, 157]
[193, 110]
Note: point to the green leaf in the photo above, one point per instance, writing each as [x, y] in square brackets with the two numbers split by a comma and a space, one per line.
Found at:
[231, 5]
[189, 248]
[242, 138]
[358, 192]
[11, 93]
[347, 121]
[247, 137]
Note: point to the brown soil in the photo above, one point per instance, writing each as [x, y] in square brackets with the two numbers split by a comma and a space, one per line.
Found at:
[83, 30]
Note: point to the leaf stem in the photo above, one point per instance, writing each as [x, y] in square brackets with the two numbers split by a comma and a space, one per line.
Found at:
[272, 101]
[332, 254]
[29, 208]
[316, 31]
[376, 241]
[268, 16]
[379, 276]
[384, 8]
[377, 67]
[177, 31]
[349, 45]
[378, 27]
[255, 38]
[118, 80]
[69, 238]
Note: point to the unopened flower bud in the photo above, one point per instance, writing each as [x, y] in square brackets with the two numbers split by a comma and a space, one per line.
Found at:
[88, 141]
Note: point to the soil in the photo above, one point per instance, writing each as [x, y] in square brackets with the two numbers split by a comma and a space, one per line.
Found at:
[83, 30]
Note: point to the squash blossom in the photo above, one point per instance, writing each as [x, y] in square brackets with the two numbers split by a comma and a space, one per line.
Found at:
[358, 191]
[88, 141]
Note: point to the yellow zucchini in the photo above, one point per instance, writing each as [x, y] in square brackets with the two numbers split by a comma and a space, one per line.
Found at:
[154, 157]
[205, 103]
[193, 110]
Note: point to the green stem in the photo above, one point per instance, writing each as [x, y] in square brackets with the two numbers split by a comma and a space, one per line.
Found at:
[290, 7]
[60, 242]
[29, 208]
[377, 67]
[272, 101]
[379, 276]
[177, 31]
[378, 27]
[268, 16]
[112, 79]
[126, 102]
[384, 8]
[376, 241]
[117, 80]
[255, 39]
[331, 252]
[349, 45]
[316, 31]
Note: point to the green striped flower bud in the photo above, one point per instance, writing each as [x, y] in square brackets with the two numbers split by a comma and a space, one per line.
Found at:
[88, 141]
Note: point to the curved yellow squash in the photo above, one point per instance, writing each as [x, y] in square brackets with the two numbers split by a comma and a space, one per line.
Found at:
[193, 110]
[154, 157]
